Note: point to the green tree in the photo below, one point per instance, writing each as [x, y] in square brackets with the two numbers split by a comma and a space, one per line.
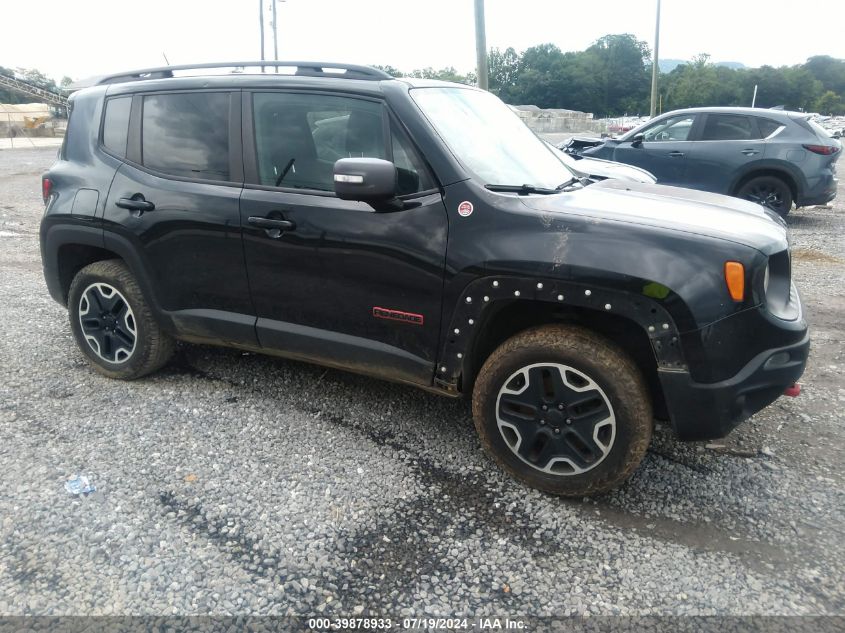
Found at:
[443, 74]
[37, 78]
[700, 83]
[830, 103]
[622, 64]
[390, 70]
[829, 71]
[540, 80]
[503, 72]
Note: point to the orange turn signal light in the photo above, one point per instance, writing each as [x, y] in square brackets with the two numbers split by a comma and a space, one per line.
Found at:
[735, 279]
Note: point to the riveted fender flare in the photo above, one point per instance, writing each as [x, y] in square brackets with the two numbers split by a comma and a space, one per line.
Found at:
[481, 294]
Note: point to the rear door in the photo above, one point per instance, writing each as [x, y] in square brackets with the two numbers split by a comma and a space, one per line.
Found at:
[337, 282]
[726, 144]
[175, 204]
[666, 150]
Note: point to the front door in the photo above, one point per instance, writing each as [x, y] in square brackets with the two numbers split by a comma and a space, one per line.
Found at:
[333, 281]
[665, 151]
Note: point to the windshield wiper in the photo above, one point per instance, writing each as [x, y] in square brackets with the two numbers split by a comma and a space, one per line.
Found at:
[522, 190]
[577, 180]
[566, 184]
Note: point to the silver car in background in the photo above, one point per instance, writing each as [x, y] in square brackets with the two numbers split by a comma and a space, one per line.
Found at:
[773, 157]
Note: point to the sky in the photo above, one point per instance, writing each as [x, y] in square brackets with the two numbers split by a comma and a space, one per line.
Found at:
[81, 38]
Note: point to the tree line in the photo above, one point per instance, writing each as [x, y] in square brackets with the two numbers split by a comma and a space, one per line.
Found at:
[612, 77]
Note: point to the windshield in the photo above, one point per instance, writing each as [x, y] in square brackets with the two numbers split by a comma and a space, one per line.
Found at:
[489, 139]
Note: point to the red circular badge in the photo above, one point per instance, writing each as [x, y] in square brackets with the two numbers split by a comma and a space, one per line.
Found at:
[465, 209]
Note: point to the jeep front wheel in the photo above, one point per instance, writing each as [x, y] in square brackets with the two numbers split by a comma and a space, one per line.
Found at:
[113, 325]
[563, 410]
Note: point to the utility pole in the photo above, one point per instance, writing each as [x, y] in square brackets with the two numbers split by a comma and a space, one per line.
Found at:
[275, 36]
[261, 22]
[655, 63]
[480, 44]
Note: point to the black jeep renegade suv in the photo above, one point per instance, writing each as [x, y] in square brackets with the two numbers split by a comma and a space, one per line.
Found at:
[419, 232]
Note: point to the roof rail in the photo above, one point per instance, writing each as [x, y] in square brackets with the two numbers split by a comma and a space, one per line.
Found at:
[309, 69]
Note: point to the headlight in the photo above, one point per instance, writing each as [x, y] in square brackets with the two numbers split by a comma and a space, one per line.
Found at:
[766, 279]
[777, 285]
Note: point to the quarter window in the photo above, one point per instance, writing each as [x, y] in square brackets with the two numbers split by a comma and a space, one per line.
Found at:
[767, 127]
[187, 134]
[728, 127]
[116, 124]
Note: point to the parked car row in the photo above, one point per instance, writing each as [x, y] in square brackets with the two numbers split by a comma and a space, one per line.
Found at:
[774, 157]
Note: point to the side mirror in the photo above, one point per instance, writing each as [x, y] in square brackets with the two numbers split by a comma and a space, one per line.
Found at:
[638, 139]
[370, 180]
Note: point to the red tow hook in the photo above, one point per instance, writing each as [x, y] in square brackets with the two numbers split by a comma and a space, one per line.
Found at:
[794, 391]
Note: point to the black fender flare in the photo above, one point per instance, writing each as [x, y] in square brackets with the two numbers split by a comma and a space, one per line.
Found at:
[55, 236]
[481, 294]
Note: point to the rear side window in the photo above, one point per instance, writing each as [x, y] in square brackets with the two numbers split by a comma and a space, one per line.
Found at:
[116, 124]
[767, 127]
[728, 127]
[187, 134]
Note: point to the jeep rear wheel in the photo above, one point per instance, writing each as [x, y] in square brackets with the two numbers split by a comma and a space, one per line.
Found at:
[563, 410]
[769, 191]
[113, 325]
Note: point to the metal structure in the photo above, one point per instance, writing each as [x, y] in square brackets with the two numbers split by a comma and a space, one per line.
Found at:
[31, 90]
[481, 44]
[655, 63]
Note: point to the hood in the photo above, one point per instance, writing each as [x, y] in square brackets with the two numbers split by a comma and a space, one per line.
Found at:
[600, 168]
[612, 169]
[672, 208]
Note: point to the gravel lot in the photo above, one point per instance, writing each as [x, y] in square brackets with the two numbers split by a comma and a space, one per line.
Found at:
[232, 483]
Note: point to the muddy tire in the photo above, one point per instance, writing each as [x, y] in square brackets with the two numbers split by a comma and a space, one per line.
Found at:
[563, 410]
[113, 325]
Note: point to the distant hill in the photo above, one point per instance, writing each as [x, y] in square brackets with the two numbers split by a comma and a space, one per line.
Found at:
[668, 65]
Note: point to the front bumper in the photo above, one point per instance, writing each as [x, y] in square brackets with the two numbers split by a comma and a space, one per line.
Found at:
[703, 411]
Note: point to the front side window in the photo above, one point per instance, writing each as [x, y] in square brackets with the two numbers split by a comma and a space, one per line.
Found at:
[489, 139]
[187, 134]
[116, 124]
[412, 174]
[728, 127]
[299, 137]
[672, 129]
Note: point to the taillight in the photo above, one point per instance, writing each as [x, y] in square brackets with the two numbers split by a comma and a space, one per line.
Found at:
[735, 280]
[824, 150]
[46, 189]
